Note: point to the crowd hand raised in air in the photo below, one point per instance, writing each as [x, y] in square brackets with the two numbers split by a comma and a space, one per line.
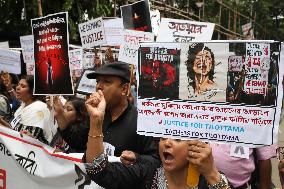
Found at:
[96, 105]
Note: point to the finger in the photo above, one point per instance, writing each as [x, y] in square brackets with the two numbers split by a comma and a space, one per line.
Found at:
[100, 92]
[197, 143]
[195, 148]
[192, 142]
[193, 155]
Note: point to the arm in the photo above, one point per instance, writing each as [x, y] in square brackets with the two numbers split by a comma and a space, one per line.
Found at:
[200, 156]
[96, 107]
[104, 173]
[265, 170]
[75, 136]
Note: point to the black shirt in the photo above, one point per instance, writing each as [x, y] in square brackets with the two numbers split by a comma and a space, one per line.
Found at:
[120, 133]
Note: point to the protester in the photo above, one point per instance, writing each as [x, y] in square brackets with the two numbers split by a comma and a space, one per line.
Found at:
[175, 155]
[120, 121]
[10, 81]
[5, 109]
[32, 117]
[239, 170]
[74, 111]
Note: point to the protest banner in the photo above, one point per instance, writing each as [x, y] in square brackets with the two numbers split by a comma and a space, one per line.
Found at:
[10, 61]
[51, 41]
[27, 44]
[85, 85]
[128, 51]
[136, 16]
[176, 30]
[92, 33]
[187, 91]
[27, 162]
[76, 58]
[113, 31]
[4, 45]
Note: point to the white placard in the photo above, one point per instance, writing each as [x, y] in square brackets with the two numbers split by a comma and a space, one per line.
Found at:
[92, 33]
[128, 52]
[85, 85]
[27, 44]
[176, 30]
[10, 61]
[75, 59]
[113, 31]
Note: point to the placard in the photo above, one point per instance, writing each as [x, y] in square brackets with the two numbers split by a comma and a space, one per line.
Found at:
[52, 72]
[176, 30]
[187, 91]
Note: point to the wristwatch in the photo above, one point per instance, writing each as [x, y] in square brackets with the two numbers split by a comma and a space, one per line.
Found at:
[222, 183]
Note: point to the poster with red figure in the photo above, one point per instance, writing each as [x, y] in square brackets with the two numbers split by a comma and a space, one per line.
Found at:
[159, 72]
[52, 72]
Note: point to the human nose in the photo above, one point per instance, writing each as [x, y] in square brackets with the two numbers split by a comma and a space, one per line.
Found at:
[99, 85]
[168, 142]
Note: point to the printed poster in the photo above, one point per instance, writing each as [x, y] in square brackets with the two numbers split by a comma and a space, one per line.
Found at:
[136, 16]
[176, 30]
[189, 91]
[51, 40]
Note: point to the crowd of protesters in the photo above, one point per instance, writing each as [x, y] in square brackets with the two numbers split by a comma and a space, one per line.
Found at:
[107, 119]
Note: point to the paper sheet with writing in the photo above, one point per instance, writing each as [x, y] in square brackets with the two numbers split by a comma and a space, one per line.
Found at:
[190, 91]
[128, 51]
[176, 30]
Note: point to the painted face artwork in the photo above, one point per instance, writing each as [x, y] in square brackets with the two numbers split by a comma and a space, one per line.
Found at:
[203, 62]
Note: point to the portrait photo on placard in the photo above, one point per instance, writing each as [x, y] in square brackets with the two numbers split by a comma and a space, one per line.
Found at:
[203, 69]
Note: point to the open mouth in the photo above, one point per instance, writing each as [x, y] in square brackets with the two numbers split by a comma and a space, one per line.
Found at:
[168, 157]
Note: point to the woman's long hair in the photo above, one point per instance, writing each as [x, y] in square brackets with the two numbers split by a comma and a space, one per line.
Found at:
[79, 105]
[193, 50]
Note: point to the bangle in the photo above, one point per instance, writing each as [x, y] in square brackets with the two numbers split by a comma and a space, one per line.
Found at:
[96, 136]
[11, 90]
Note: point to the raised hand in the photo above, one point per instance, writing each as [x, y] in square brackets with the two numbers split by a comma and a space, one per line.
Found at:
[200, 156]
[96, 105]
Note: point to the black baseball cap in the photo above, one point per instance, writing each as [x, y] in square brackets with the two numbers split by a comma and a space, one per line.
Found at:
[115, 68]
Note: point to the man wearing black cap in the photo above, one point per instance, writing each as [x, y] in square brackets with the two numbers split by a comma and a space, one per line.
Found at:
[120, 120]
